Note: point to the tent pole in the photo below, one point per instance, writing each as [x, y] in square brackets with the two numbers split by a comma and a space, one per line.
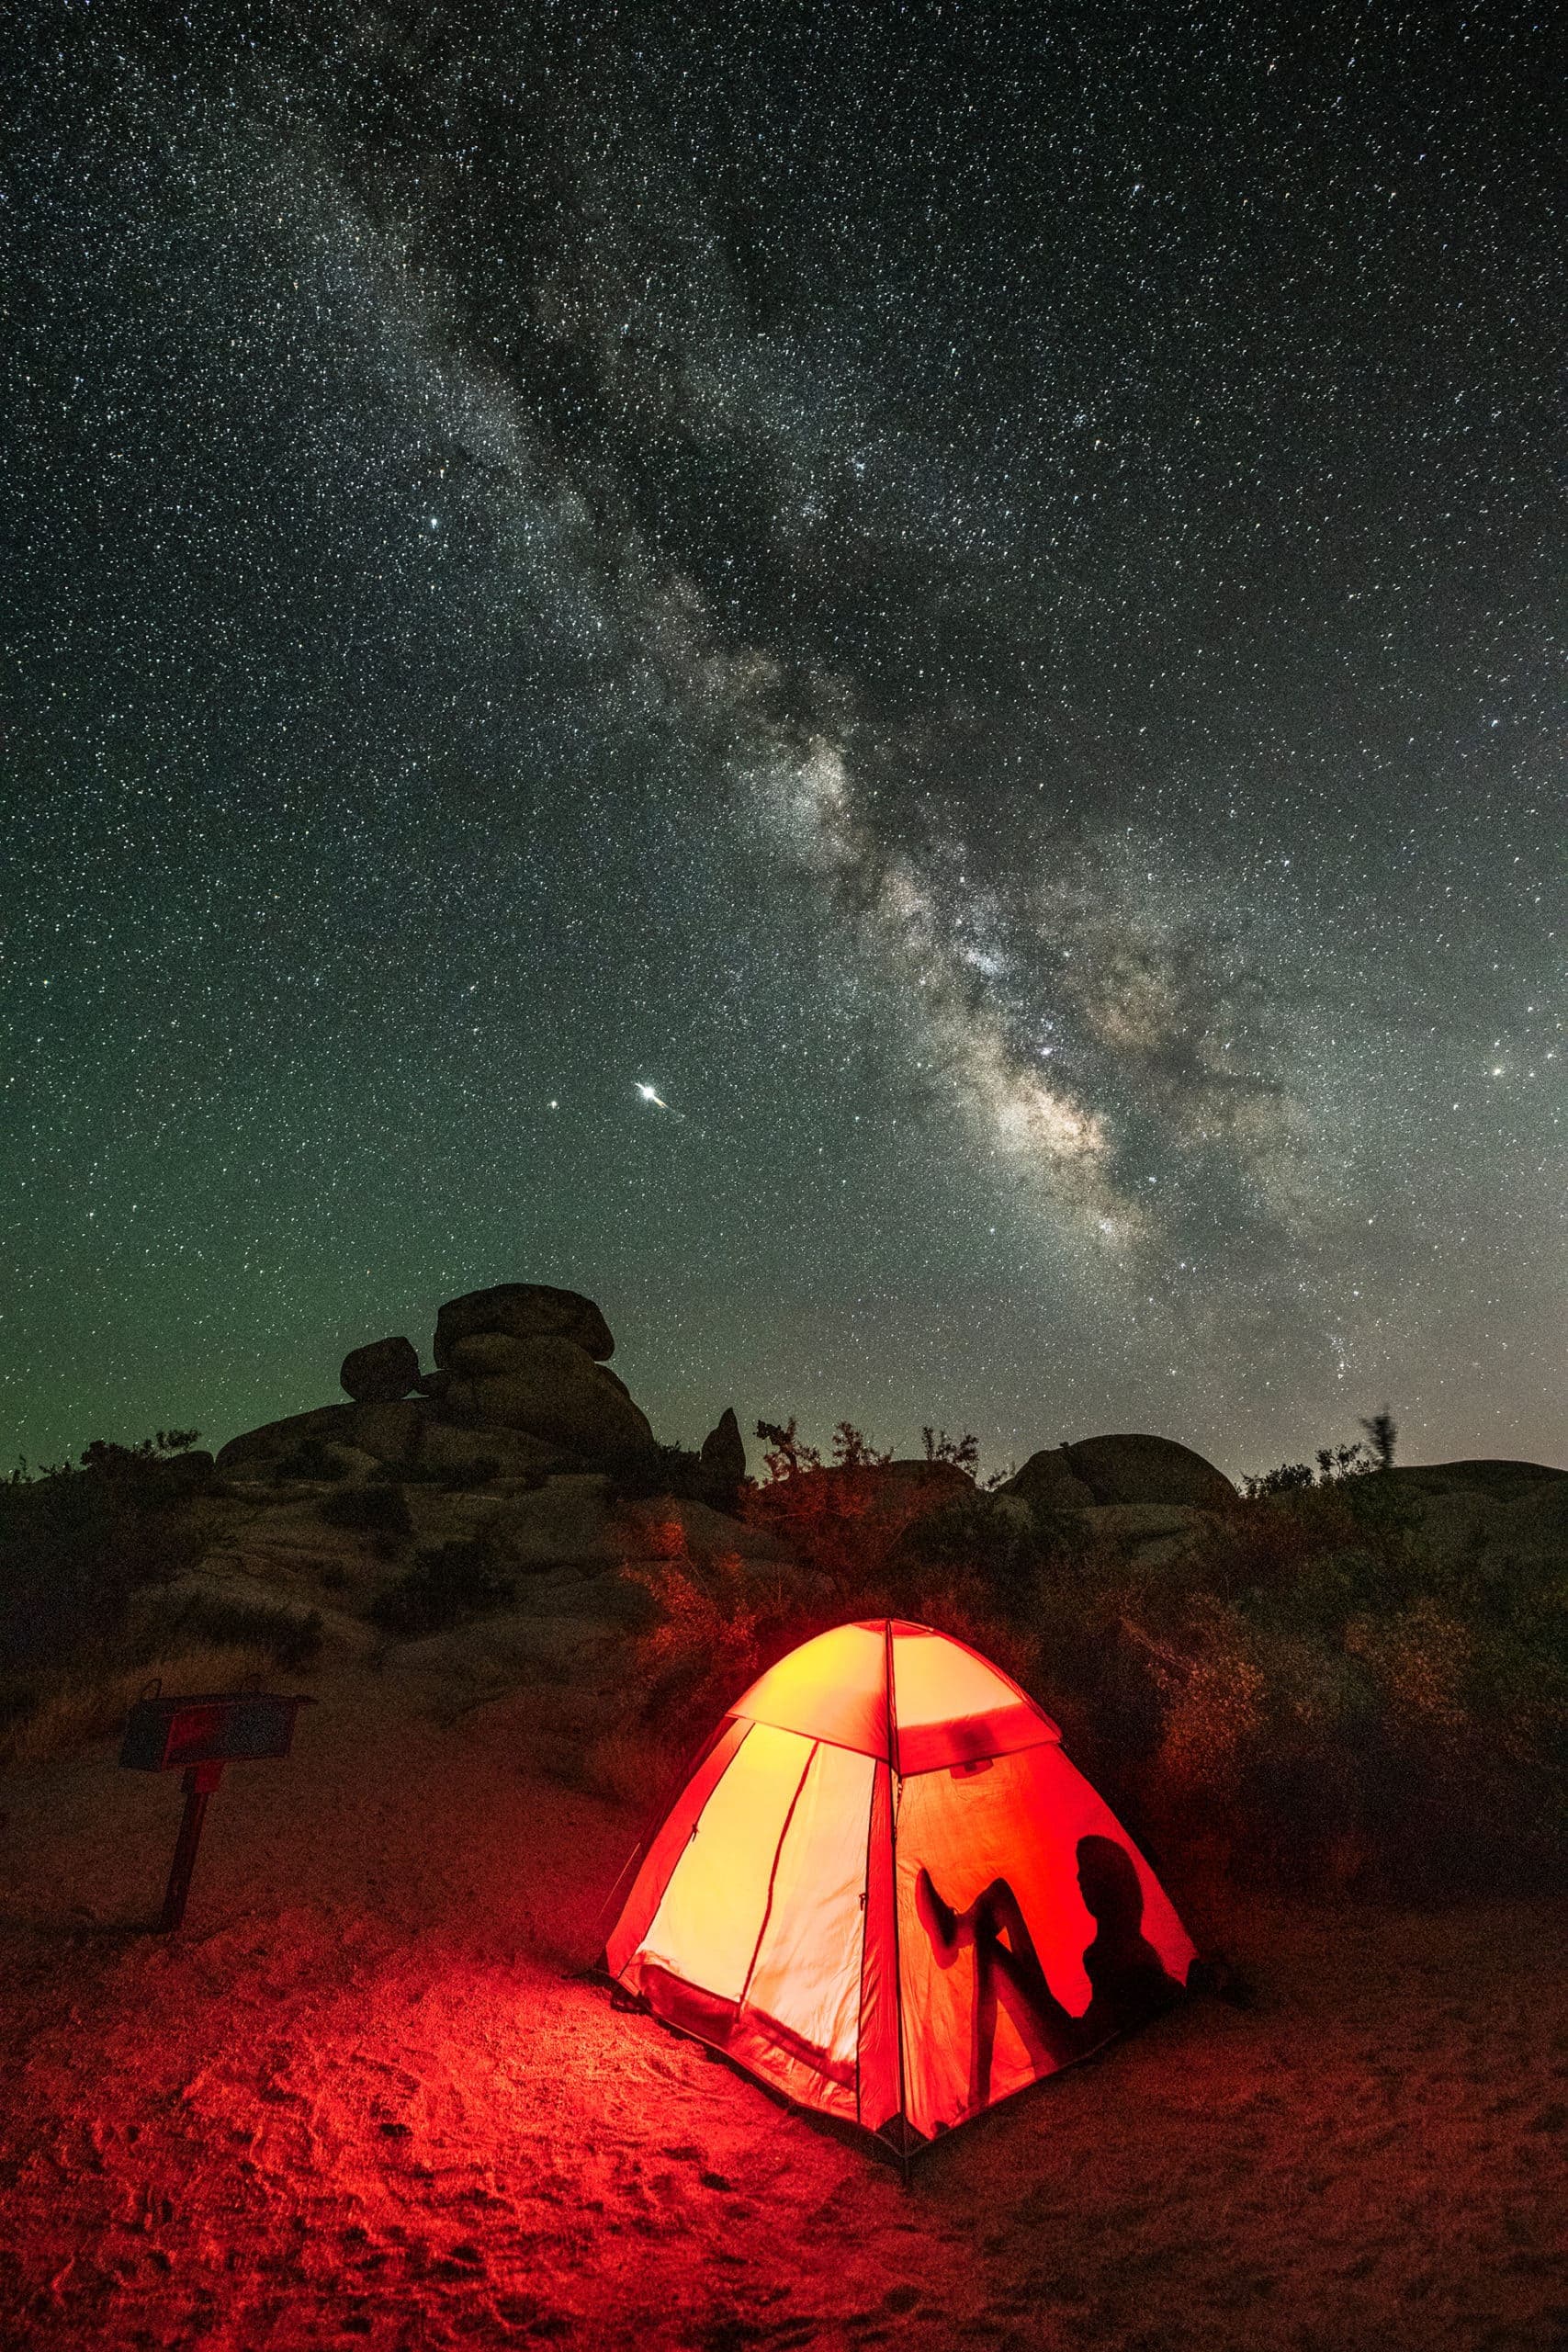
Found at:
[893, 1793]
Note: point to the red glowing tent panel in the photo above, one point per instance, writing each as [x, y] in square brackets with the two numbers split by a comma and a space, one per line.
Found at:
[886, 1890]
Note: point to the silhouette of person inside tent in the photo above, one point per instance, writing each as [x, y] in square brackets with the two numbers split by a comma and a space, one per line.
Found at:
[1128, 1981]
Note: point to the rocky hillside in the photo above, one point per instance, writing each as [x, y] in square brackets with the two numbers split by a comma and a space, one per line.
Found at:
[465, 1527]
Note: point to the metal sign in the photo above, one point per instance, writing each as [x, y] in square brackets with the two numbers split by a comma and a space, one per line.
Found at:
[198, 1737]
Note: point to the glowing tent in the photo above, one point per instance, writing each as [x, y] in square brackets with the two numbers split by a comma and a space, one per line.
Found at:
[885, 1890]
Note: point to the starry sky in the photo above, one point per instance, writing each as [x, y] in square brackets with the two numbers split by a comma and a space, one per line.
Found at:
[972, 596]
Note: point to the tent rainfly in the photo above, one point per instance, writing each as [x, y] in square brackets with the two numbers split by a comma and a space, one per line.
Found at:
[884, 1890]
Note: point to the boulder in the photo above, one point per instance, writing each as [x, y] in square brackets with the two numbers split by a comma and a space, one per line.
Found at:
[915, 1476]
[724, 1448]
[380, 1372]
[482, 1454]
[1141, 1469]
[551, 1389]
[393, 1432]
[1509, 1518]
[260, 1450]
[1048, 1482]
[487, 1355]
[722, 1461]
[523, 1311]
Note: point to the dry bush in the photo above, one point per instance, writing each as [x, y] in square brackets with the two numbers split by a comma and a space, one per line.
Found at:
[449, 1583]
[714, 1626]
[1307, 1694]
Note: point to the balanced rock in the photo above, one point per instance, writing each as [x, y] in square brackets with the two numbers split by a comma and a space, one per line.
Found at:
[523, 1311]
[548, 1387]
[380, 1372]
[1141, 1469]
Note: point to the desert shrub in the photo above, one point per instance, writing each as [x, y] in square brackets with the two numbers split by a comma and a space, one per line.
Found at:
[65, 1708]
[448, 1584]
[1333, 1462]
[962, 1452]
[87, 1555]
[1315, 1694]
[217, 1620]
[843, 1518]
[989, 1547]
[713, 1629]
[371, 1509]
[1306, 1693]
[637, 1476]
[77, 1540]
[187, 1642]
[715, 1624]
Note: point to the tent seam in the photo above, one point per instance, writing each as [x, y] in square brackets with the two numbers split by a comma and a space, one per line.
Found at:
[894, 1788]
[773, 1876]
[865, 1940]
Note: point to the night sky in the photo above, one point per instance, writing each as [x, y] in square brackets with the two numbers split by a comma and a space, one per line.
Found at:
[970, 595]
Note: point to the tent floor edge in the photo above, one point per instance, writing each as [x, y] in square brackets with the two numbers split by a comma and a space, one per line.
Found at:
[899, 2137]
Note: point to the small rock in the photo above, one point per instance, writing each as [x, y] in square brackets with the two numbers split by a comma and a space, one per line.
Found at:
[381, 1371]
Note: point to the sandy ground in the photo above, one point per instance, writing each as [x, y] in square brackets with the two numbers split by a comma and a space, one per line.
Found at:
[364, 2098]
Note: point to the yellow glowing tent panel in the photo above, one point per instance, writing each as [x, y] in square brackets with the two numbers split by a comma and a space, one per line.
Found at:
[885, 1890]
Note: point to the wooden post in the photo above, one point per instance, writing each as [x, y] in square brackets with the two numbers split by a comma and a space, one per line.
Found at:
[199, 1783]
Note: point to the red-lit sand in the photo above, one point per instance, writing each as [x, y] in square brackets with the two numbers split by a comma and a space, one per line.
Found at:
[362, 2099]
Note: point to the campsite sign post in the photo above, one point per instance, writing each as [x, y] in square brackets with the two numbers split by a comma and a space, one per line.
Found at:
[199, 1736]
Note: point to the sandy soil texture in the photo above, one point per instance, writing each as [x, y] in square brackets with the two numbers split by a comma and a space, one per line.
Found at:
[364, 2097]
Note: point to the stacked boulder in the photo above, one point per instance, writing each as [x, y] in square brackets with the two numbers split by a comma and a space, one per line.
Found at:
[523, 1356]
[1109, 1473]
[521, 1388]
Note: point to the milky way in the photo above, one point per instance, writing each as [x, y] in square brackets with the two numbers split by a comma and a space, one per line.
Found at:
[977, 600]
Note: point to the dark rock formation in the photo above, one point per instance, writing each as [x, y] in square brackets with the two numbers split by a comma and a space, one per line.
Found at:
[259, 1451]
[301, 1445]
[521, 1391]
[547, 1387]
[1141, 1469]
[523, 1311]
[914, 1473]
[380, 1372]
[725, 1452]
[393, 1432]
[1099, 1471]
[1048, 1481]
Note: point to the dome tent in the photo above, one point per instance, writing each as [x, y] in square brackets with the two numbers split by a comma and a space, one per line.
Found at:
[884, 1890]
